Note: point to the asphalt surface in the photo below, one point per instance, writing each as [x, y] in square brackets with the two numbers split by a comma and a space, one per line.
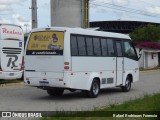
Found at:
[22, 98]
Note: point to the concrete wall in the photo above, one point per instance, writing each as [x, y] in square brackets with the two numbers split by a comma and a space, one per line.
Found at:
[148, 59]
[66, 13]
[152, 60]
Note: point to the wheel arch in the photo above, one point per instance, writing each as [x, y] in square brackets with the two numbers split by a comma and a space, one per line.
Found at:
[130, 76]
[98, 79]
[92, 77]
[127, 84]
[95, 88]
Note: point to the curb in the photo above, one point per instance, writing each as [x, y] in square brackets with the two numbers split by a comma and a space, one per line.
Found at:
[11, 84]
[145, 71]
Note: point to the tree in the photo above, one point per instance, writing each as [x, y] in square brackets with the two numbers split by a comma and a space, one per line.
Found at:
[149, 33]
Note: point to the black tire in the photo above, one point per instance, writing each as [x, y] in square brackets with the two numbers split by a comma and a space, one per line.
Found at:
[84, 93]
[50, 92]
[127, 86]
[95, 88]
[55, 92]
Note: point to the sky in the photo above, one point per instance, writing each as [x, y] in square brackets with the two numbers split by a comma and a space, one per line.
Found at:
[19, 12]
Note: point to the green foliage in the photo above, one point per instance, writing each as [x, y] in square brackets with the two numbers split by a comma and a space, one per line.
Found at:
[149, 33]
[26, 34]
[147, 103]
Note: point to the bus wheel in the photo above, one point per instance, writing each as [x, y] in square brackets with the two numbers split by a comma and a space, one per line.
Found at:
[95, 88]
[127, 86]
[55, 92]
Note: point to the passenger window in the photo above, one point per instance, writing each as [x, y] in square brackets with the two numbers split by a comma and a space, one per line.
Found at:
[89, 45]
[104, 47]
[74, 47]
[97, 46]
[111, 51]
[81, 45]
[119, 48]
[129, 50]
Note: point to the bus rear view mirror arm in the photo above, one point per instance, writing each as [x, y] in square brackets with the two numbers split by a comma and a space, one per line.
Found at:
[140, 53]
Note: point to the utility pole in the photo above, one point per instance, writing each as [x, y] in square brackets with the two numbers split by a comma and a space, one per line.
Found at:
[34, 13]
[85, 13]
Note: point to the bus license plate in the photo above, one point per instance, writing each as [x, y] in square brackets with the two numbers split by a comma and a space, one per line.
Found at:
[11, 74]
[43, 83]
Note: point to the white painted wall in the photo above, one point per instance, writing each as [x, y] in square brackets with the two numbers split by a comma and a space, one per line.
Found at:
[152, 60]
[146, 60]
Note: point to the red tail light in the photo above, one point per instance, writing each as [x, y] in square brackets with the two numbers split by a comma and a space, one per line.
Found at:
[66, 67]
[21, 68]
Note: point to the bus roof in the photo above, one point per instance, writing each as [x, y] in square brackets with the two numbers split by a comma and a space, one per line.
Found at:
[1, 24]
[83, 32]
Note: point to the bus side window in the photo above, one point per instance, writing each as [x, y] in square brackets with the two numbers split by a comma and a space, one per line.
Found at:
[81, 45]
[74, 46]
[111, 51]
[129, 50]
[97, 46]
[89, 45]
[104, 47]
[119, 48]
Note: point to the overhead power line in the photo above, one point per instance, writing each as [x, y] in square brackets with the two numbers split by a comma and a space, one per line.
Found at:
[122, 8]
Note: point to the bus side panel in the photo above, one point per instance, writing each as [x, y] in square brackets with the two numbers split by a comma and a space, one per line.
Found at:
[131, 67]
[85, 69]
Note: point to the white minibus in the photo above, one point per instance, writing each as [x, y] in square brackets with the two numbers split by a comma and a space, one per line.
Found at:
[11, 51]
[58, 59]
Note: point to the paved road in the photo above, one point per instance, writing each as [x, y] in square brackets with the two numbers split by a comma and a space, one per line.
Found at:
[22, 98]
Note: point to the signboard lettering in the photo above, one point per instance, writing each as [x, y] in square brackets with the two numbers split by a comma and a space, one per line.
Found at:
[5, 30]
[12, 60]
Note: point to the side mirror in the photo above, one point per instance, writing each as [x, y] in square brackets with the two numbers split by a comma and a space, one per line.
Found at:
[140, 53]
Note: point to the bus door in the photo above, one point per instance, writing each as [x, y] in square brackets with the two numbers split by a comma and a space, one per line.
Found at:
[120, 62]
